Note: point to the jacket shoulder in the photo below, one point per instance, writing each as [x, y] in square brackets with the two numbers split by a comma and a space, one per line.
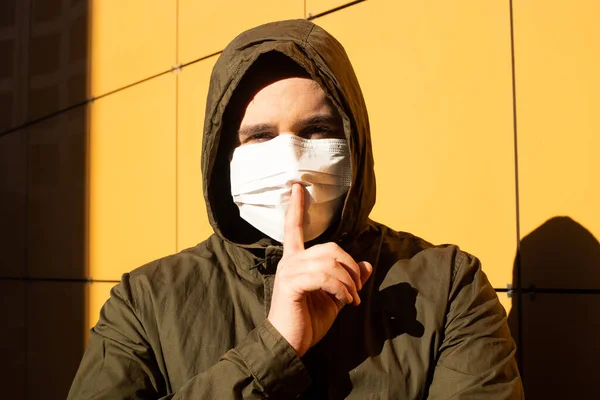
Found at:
[178, 265]
[410, 246]
[417, 256]
[190, 267]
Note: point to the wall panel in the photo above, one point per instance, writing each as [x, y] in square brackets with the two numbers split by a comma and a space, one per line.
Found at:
[439, 95]
[132, 178]
[13, 346]
[130, 41]
[15, 22]
[55, 325]
[58, 56]
[13, 203]
[558, 96]
[56, 196]
[560, 339]
[206, 27]
[314, 7]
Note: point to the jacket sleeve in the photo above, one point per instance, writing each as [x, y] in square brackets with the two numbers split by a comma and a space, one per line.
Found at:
[477, 355]
[119, 363]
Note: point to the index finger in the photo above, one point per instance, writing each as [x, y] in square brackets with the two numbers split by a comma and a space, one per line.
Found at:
[293, 234]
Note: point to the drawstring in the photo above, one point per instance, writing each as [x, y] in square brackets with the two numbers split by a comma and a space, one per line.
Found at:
[255, 266]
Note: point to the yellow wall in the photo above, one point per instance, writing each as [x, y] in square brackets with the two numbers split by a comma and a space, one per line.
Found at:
[438, 81]
[557, 59]
[439, 92]
[558, 89]
[441, 117]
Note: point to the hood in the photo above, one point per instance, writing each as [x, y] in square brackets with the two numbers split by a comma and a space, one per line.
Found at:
[325, 60]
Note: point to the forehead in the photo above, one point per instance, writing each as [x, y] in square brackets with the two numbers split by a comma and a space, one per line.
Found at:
[287, 98]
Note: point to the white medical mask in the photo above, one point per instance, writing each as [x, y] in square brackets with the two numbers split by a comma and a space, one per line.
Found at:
[262, 175]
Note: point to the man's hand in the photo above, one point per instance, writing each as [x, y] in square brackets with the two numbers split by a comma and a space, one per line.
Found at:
[311, 286]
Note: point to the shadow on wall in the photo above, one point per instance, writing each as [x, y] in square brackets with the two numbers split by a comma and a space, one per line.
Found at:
[555, 315]
[43, 134]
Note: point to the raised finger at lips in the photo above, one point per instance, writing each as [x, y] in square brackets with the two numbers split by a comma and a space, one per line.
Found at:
[293, 234]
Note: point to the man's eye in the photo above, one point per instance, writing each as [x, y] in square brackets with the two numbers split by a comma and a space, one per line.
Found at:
[316, 132]
[322, 132]
[259, 137]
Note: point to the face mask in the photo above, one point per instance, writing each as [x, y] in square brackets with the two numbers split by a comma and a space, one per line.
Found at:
[262, 176]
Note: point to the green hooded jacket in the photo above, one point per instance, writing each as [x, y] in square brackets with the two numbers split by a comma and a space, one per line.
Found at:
[193, 325]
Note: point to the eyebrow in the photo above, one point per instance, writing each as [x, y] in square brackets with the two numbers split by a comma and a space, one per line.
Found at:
[333, 125]
[323, 119]
[250, 130]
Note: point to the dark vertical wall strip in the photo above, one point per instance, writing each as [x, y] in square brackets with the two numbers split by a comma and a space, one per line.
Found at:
[43, 143]
[26, 302]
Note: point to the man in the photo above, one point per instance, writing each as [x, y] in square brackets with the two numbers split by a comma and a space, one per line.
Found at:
[298, 293]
